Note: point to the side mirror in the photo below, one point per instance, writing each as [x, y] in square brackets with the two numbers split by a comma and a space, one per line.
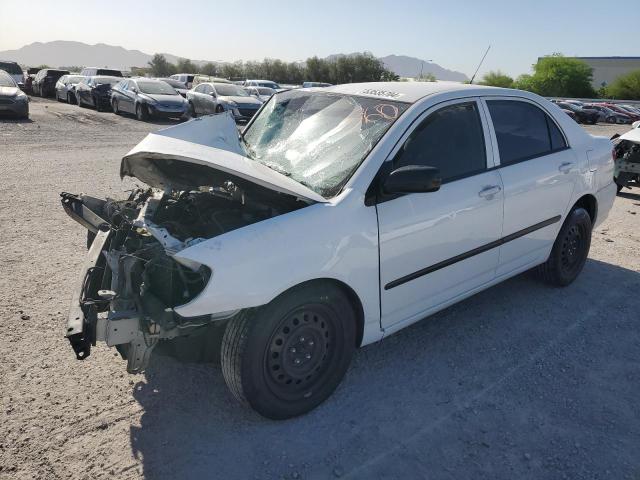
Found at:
[213, 94]
[413, 179]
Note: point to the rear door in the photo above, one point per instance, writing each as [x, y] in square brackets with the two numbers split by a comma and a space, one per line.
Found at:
[437, 246]
[538, 171]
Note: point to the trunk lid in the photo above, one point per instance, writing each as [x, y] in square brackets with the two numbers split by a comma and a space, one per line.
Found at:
[212, 142]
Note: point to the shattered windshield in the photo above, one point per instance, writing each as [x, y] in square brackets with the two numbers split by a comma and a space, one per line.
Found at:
[319, 139]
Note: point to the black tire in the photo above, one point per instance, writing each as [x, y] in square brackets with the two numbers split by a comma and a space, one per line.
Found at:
[570, 250]
[287, 357]
[79, 99]
[192, 110]
[96, 103]
[114, 106]
[141, 113]
[71, 98]
[219, 109]
[611, 120]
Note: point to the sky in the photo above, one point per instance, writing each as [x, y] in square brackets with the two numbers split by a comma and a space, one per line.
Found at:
[454, 34]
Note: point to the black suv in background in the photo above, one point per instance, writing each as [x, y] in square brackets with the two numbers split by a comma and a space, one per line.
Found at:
[44, 84]
[105, 72]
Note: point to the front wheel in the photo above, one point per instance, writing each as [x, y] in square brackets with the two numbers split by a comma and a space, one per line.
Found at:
[570, 250]
[141, 113]
[287, 357]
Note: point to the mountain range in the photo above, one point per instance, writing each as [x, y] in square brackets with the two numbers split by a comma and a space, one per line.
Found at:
[69, 53]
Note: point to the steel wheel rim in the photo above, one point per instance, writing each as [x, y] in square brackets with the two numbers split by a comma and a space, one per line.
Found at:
[571, 253]
[299, 352]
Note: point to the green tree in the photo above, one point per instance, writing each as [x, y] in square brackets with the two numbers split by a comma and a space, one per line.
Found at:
[426, 77]
[209, 69]
[185, 65]
[625, 87]
[232, 70]
[558, 76]
[497, 79]
[160, 67]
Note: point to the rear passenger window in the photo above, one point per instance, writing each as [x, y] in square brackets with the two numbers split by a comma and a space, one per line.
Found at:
[450, 139]
[523, 131]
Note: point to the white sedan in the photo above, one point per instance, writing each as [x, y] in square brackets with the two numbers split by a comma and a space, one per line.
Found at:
[340, 216]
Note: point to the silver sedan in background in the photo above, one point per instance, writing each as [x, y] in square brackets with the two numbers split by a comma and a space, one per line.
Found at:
[66, 88]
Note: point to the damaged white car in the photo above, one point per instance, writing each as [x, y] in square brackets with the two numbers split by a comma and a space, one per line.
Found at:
[339, 216]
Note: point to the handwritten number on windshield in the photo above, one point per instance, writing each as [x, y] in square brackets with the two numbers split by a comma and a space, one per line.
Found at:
[382, 111]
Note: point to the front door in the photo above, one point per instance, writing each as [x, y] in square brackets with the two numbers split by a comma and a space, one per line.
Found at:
[437, 246]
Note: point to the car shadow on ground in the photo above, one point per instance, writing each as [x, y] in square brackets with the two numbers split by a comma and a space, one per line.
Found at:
[4, 119]
[507, 384]
[630, 194]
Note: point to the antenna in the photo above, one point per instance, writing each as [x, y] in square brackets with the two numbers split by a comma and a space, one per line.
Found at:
[480, 64]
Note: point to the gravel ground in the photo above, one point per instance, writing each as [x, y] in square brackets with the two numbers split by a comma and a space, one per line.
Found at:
[520, 381]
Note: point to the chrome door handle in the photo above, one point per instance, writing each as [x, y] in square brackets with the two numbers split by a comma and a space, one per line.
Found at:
[565, 167]
[489, 191]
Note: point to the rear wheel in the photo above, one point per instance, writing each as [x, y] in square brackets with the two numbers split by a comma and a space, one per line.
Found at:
[287, 357]
[570, 250]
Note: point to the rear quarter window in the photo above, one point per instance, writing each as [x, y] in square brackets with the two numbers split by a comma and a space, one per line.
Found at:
[523, 131]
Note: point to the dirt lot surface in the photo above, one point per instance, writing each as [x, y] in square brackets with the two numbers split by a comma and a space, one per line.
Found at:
[521, 381]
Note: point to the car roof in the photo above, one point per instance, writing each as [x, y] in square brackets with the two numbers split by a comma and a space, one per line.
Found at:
[409, 92]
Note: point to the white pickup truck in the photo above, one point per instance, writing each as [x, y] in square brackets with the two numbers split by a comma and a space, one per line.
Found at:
[339, 216]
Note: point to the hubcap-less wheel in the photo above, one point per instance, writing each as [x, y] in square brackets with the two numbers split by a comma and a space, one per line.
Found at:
[570, 250]
[299, 351]
[288, 356]
[570, 254]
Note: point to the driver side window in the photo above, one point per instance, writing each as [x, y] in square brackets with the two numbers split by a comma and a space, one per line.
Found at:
[450, 139]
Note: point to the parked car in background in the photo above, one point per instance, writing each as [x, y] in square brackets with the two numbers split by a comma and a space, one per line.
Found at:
[66, 88]
[609, 115]
[337, 218]
[634, 110]
[148, 98]
[28, 79]
[15, 70]
[569, 113]
[261, 93]
[582, 115]
[315, 84]
[262, 83]
[636, 124]
[177, 85]
[198, 79]
[616, 108]
[44, 83]
[208, 98]
[102, 72]
[96, 92]
[185, 78]
[13, 100]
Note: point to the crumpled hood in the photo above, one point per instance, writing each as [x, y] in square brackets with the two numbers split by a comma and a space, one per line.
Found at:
[632, 136]
[211, 141]
[9, 91]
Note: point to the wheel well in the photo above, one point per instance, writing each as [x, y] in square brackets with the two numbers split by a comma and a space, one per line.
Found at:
[353, 299]
[590, 204]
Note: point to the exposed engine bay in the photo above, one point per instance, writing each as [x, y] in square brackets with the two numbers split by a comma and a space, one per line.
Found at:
[627, 161]
[128, 295]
